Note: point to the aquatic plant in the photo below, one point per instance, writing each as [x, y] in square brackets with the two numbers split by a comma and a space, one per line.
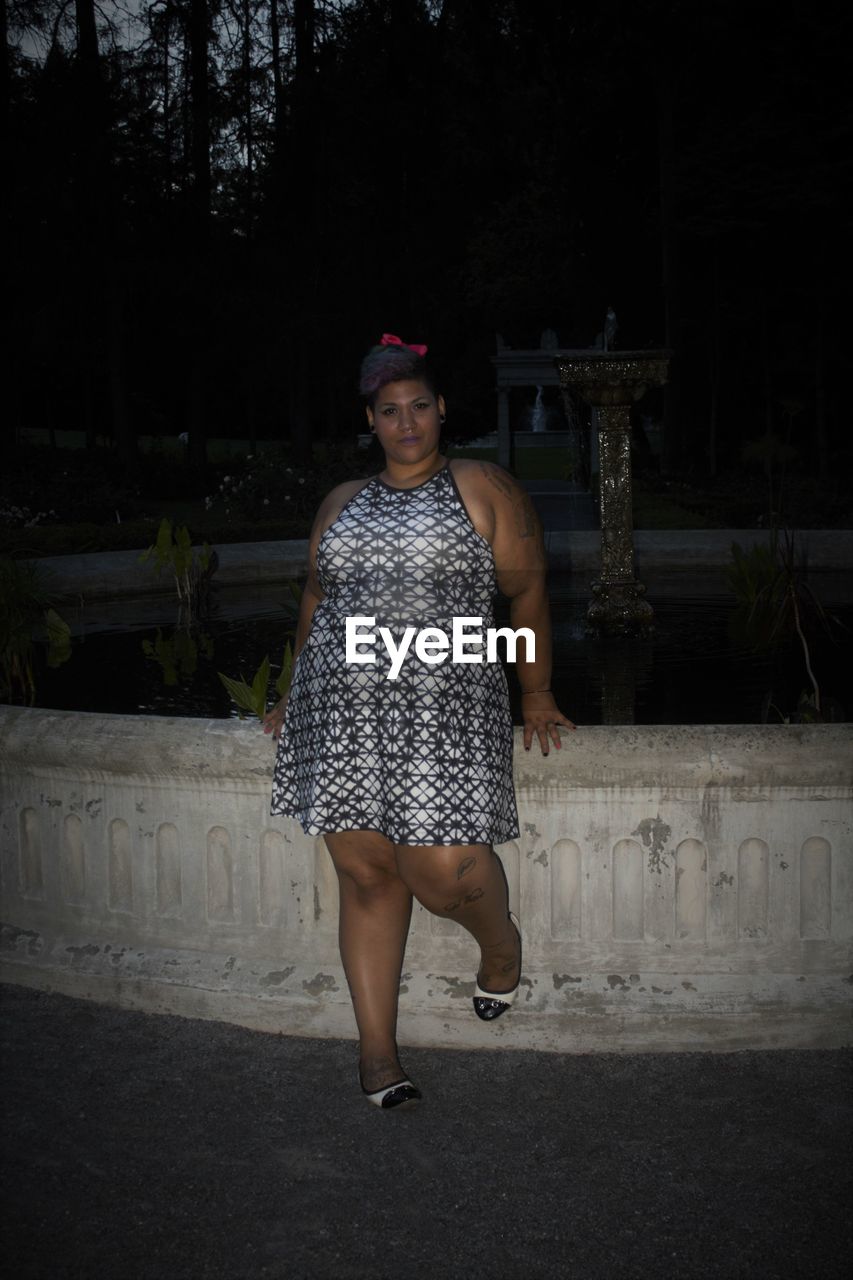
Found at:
[27, 618]
[252, 698]
[777, 603]
[192, 570]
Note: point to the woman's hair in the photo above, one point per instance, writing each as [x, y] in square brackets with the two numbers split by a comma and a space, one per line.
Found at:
[393, 362]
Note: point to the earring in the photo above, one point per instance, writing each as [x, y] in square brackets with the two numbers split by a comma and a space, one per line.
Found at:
[442, 418]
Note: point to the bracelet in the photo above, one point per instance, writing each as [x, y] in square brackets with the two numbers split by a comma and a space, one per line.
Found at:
[525, 692]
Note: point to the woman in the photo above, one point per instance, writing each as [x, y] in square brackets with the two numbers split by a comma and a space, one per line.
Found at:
[404, 763]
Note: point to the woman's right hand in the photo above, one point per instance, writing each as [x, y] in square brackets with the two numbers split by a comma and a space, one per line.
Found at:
[274, 718]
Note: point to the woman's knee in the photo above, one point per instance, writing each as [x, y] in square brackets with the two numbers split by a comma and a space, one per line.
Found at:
[445, 879]
[364, 861]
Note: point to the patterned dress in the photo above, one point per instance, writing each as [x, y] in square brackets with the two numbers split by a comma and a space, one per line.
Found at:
[425, 759]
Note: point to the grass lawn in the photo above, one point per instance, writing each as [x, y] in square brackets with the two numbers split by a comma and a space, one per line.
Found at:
[530, 464]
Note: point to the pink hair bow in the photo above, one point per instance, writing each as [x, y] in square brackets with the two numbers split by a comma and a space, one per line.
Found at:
[391, 340]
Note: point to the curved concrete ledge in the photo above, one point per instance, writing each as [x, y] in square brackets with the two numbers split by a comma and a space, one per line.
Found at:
[110, 574]
[679, 887]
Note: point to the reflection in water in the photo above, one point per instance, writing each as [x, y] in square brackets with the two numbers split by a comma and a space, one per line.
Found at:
[622, 666]
[177, 652]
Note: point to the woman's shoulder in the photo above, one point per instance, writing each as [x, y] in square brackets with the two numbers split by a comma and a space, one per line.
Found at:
[484, 478]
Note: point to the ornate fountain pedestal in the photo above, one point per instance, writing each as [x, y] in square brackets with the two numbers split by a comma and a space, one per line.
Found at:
[611, 381]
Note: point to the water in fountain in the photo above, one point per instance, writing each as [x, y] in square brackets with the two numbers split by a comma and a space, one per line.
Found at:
[693, 671]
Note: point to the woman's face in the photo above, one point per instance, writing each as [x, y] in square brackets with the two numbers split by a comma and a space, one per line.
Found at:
[406, 417]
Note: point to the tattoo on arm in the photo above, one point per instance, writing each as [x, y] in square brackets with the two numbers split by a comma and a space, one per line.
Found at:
[473, 896]
[526, 521]
[528, 526]
[497, 479]
[464, 867]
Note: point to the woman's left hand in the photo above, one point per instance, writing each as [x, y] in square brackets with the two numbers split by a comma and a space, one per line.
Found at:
[542, 716]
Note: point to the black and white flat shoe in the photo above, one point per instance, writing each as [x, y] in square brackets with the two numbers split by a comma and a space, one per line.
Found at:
[489, 1005]
[393, 1095]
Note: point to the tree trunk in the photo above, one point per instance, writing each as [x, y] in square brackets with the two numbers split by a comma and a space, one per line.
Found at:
[88, 397]
[95, 209]
[278, 89]
[5, 76]
[167, 104]
[250, 141]
[671, 444]
[303, 187]
[199, 227]
[767, 387]
[49, 417]
[820, 384]
[714, 366]
[200, 121]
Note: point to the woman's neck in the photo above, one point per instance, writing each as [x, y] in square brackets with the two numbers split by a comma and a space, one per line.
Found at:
[409, 475]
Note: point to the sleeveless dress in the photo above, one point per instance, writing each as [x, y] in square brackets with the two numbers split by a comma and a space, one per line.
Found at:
[425, 759]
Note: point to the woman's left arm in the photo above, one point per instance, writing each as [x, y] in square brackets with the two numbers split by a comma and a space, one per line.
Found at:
[519, 550]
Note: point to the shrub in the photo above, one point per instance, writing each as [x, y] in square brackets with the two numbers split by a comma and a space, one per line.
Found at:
[27, 617]
[269, 484]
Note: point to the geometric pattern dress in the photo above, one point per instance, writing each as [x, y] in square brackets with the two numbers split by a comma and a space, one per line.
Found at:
[425, 759]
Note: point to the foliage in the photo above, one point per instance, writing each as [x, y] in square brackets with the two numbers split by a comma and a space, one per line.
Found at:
[177, 653]
[272, 484]
[15, 517]
[754, 579]
[27, 616]
[253, 697]
[775, 604]
[192, 571]
[773, 455]
[44, 487]
[242, 305]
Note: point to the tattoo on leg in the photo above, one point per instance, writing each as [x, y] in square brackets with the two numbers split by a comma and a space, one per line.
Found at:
[474, 895]
[464, 867]
[377, 1072]
[376, 1064]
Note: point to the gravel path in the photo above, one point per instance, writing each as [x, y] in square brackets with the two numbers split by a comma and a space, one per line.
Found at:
[148, 1147]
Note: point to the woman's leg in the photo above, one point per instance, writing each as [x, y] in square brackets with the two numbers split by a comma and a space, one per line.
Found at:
[467, 883]
[375, 911]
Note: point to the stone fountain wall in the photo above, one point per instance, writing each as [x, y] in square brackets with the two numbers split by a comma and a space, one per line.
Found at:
[679, 888]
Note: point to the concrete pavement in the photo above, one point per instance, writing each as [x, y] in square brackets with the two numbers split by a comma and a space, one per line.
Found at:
[141, 1146]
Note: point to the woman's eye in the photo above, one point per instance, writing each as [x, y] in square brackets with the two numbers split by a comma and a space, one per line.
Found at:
[387, 412]
[422, 405]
